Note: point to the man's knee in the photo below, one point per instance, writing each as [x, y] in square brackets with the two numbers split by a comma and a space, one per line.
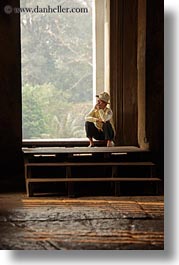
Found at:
[108, 130]
[88, 124]
[89, 127]
[107, 125]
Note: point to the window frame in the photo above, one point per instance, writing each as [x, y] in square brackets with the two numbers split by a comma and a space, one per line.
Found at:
[101, 75]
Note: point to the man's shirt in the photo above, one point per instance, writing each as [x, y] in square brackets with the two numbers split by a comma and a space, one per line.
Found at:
[103, 114]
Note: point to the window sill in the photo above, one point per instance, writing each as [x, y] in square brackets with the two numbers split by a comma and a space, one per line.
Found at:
[63, 142]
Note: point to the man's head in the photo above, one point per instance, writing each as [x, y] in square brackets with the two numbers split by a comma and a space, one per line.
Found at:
[104, 96]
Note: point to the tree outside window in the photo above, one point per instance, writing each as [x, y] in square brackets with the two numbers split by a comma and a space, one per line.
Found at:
[57, 68]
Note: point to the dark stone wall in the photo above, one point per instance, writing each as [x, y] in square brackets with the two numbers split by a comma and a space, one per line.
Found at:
[155, 79]
[123, 69]
[123, 66]
[10, 98]
[130, 104]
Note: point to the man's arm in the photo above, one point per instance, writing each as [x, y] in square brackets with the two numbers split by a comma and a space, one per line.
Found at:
[105, 115]
[90, 116]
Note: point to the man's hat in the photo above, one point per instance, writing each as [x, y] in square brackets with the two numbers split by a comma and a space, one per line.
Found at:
[104, 96]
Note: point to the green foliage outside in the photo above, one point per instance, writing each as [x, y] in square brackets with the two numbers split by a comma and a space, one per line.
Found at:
[57, 70]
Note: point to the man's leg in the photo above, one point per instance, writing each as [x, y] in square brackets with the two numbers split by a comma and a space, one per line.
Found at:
[93, 132]
[108, 133]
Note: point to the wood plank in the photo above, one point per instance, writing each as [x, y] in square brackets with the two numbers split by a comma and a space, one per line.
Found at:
[73, 150]
[64, 164]
[33, 180]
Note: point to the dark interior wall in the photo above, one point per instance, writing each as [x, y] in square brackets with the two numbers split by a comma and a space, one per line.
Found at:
[116, 61]
[10, 85]
[130, 72]
[155, 78]
[123, 66]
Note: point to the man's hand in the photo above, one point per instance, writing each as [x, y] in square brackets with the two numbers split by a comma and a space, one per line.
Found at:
[99, 120]
[97, 106]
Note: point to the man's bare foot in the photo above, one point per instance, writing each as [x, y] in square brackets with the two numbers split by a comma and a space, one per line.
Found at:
[91, 142]
[110, 143]
[91, 145]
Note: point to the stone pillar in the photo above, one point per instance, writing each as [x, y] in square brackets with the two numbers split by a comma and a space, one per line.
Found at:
[141, 87]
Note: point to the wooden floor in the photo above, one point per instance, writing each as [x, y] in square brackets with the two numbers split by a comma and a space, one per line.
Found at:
[97, 223]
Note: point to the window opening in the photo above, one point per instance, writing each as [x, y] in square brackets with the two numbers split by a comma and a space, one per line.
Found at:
[59, 44]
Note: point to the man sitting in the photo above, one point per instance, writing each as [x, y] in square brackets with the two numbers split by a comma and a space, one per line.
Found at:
[98, 122]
